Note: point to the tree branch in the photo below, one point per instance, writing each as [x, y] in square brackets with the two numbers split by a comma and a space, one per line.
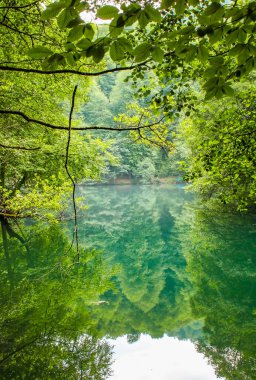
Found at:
[69, 71]
[68, 172]
[20, 6]
[91, 127]
[18, 147]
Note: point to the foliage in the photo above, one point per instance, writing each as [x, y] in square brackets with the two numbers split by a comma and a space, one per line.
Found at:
[218, 37]
[221, 139]
[33, 179]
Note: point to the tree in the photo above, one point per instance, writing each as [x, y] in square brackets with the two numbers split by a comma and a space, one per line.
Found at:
[221, 139]
[34, 179]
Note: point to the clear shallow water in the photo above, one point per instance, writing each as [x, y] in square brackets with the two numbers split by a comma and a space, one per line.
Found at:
[169, 283]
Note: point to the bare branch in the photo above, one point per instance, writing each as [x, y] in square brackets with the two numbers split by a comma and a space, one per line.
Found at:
[91, 127]
[69, 71]
[18, 147]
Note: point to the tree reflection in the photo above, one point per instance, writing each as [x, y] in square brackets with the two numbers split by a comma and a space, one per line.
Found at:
[135, 227]
[220, 252]
[45, 329]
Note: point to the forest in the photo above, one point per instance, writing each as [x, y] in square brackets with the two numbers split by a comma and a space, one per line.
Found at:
[143, 93]
[158, 91]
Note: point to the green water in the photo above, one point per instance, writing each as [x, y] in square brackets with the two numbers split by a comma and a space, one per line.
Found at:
[153, 262]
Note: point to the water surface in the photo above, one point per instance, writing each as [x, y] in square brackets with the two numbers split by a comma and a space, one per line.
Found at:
[167, 282]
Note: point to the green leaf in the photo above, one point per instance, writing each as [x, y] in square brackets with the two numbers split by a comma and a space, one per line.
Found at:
[125, 44]
[116, 51]
[242, 35]
[89, 31]
[70, 59]
[107, 12]
[82, 6]
[211, 83]
[212, 8]
[218, 14]
[236, 50]
[84, 44]
[52, 10]
[76, 33]
[142, 52]
[98, 53]
[187, 30]
[56, 60]
[216, 36]
[114, 29]
[210, 93]
[143, 19]
[152, 13]
[193, 2]
[69, 46]
[39, 52]
[180, 7]
[74, 22]
[203, 53]
[165, 4]
[65, 17]
[191, 53]
[228, 90]
[131, 20]
[157, 54]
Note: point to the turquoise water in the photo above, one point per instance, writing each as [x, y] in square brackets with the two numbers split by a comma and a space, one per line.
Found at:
[165, 289]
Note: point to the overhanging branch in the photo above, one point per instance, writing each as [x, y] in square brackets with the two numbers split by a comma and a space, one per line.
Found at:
[19, 6]
[69, 71]
[91, 127]
[18, 147]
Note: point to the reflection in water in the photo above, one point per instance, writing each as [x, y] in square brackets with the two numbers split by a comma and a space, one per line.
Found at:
[45, 330]
[221, 255]
[179, 272]
[181, 268]
[135, 228]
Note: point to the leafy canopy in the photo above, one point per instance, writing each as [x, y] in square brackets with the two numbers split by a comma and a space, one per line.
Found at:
[215, 37]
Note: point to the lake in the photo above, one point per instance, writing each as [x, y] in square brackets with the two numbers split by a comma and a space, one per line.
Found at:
[164, 289]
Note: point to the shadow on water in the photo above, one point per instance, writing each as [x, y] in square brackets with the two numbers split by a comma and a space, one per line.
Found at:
[179, 270]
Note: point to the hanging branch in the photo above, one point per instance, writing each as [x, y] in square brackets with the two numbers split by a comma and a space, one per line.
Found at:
[68, 172]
